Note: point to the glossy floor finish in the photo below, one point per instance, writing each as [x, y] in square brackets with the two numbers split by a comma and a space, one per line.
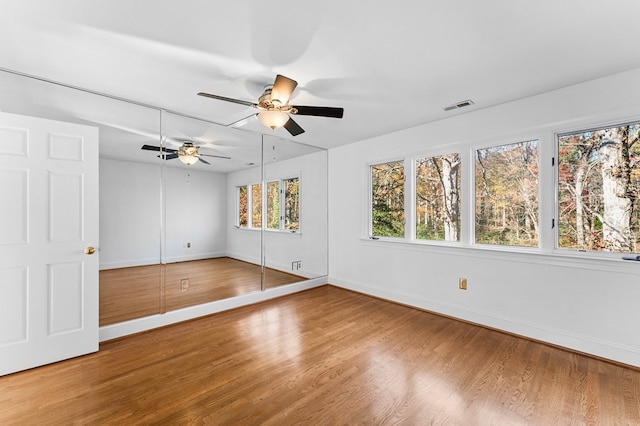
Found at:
[135, 292]
[325, 356]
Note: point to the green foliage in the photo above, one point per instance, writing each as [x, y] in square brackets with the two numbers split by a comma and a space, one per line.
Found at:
[427, 231]
[387, 216]
[387, 223]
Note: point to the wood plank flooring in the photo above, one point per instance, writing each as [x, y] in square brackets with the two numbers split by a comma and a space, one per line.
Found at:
[128, 293]
[325, 356]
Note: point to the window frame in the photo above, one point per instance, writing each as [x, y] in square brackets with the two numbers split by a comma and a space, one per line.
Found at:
[237, 220]
[407, 200]
[281, 199]
[283, 227]
[498, 142]
[249, 192]
[582, 126]
[414, 196]
[548, 220]
[266, 205]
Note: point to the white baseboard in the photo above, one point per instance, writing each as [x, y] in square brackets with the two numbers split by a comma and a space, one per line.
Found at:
[114, 331]
[199, 256]
[573, 341]
[129, 263]
[242, 257]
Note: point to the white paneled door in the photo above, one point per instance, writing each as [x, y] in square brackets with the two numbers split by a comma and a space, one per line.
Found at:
[48, 241]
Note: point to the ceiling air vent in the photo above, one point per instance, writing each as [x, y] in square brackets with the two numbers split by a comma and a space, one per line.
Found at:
[460, 104]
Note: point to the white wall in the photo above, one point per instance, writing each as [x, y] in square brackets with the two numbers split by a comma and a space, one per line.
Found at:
[281, 248]
[196, 213]
[589, 305]
[242, 244]
[130, 214]
[309, 245]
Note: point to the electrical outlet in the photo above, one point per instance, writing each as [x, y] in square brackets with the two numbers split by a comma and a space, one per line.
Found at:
[296, 264]
[184, 284]
[462, 283]
[187, 245]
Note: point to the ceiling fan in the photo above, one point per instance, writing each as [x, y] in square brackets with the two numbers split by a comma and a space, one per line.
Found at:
[187, 153]
[275, 111]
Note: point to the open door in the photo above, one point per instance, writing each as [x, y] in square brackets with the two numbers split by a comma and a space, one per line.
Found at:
[48, 241]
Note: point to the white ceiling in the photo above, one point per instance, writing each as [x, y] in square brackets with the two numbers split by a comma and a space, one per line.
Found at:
[389, 64]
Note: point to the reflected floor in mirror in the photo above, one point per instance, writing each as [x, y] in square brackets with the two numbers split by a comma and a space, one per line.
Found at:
[135, 292]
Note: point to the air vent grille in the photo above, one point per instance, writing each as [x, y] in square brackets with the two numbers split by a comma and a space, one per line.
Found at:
[460, 104]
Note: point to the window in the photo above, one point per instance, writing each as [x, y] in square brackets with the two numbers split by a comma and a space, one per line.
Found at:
[273, 205]
[256, 205]
[506, 184]
[243, 206]
[387, 199]
[283, 192]
[598, 189]
[291, 204]
[438, 198]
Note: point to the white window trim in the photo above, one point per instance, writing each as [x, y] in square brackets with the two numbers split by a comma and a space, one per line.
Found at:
[583, 125]
[472, 195]
[282, 202]
[547, 249]
[369, 206]
[280, 179]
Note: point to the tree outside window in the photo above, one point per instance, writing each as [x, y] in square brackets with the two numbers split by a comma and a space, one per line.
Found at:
[243, 206]
[291, 204]
[506, 185]
[387, 199]
[438, 198]
[598, 188]
[273, 205]
[256, 205]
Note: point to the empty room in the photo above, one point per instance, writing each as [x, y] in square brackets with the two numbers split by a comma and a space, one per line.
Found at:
[319, 212]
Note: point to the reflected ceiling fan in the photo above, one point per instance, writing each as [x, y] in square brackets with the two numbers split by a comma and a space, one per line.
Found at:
[187, 153]
[275, 111]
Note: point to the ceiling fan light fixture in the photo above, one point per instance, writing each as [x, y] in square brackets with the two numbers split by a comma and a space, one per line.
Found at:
[273, 119]
[188, 159]
[188, 153]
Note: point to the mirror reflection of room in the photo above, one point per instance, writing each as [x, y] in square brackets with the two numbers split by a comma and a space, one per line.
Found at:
[177, 230]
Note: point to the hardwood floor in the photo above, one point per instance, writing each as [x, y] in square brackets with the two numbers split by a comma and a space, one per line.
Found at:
[325, 356]
[128, 293]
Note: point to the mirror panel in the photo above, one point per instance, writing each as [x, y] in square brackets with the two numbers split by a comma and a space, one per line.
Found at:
[199, 267]
[295, 205]
[174, 235]
[130, 220]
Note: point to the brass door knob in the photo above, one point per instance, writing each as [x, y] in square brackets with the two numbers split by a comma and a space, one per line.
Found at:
[89, 250]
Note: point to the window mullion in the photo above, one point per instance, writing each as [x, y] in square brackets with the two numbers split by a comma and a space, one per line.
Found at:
[409, 199]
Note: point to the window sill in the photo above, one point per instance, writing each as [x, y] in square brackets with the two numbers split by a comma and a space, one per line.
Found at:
[563, 258]
[270, 231]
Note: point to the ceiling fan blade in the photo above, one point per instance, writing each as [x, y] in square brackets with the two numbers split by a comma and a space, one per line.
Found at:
[215, 156]
[242, 122]
[157, 148]
[282, 89]
[293, 127]
[203, 160]
[223, 98]
[168, 156]
[319, 111]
